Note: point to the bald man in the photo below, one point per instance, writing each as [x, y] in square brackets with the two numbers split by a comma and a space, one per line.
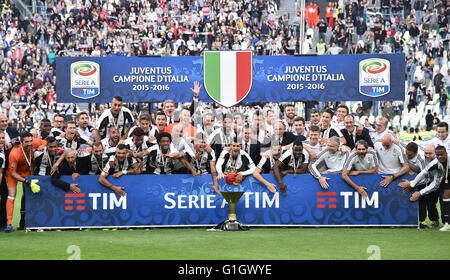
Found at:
[418, 161]
[438, 170]
[391, 158]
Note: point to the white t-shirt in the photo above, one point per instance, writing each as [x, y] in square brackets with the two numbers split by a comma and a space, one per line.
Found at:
[355, 162]
[390, 160]
[333, 162]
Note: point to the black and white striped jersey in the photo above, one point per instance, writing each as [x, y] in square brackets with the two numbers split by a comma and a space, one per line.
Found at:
[202, 164]
[43, 162]
[241, 163]
[114, 165]
[161, 163]
[123, 120]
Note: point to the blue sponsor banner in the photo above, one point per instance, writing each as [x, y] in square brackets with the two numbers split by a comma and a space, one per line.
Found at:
[184, 200]
[275, 78]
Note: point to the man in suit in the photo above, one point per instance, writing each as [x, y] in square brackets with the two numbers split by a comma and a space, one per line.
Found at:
[284, 137]
[251, 146]
[9, 132]
[353, 133]
[4, 158]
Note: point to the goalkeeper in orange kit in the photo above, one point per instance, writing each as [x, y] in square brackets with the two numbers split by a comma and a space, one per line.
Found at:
[20, 166]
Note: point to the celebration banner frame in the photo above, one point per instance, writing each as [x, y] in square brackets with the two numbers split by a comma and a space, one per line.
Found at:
[187, 201]
[365, 77]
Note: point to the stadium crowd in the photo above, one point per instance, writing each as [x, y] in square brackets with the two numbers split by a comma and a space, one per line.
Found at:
[42, 137]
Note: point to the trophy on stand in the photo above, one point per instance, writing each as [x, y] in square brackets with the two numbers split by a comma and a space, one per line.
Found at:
[231, 224]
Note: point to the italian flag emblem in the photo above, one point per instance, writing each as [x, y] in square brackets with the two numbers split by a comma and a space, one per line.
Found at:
[227, 75]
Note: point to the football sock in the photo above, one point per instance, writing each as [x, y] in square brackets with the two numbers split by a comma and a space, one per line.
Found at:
[10, 209]
[446, 209]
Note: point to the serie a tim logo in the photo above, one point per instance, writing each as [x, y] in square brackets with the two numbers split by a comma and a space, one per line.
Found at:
[374, 77]
[85, 79]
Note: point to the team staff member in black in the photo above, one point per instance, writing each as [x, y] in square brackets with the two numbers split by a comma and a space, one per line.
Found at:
[249, 145]
[70, 165]
[353, 133]
[4, 154]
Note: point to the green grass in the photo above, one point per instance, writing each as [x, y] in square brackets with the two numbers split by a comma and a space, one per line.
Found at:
[255, 244]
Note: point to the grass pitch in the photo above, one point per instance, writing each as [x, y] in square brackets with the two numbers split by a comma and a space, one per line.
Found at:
[255, 244]
[200, 244]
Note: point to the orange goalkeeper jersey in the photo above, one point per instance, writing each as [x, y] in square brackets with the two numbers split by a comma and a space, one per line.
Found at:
[19, 164]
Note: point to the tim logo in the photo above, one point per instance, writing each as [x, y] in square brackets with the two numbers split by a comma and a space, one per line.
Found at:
[349, 199]
[374, 77]
[85, 79]
[74, 201]
[326, 199]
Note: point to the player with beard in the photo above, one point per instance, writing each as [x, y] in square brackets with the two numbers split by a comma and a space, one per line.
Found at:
[118, 165]
[110, 143]
[361, 161]
[222, 137]
[314, 119]
[267, 164]
[118, 116]
[293, 161]
[98, 159]
[234, 164]
[203, 162]
[84, 129]
[289, 113]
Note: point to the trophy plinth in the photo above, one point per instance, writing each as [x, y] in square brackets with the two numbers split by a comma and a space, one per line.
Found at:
[231, 224]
